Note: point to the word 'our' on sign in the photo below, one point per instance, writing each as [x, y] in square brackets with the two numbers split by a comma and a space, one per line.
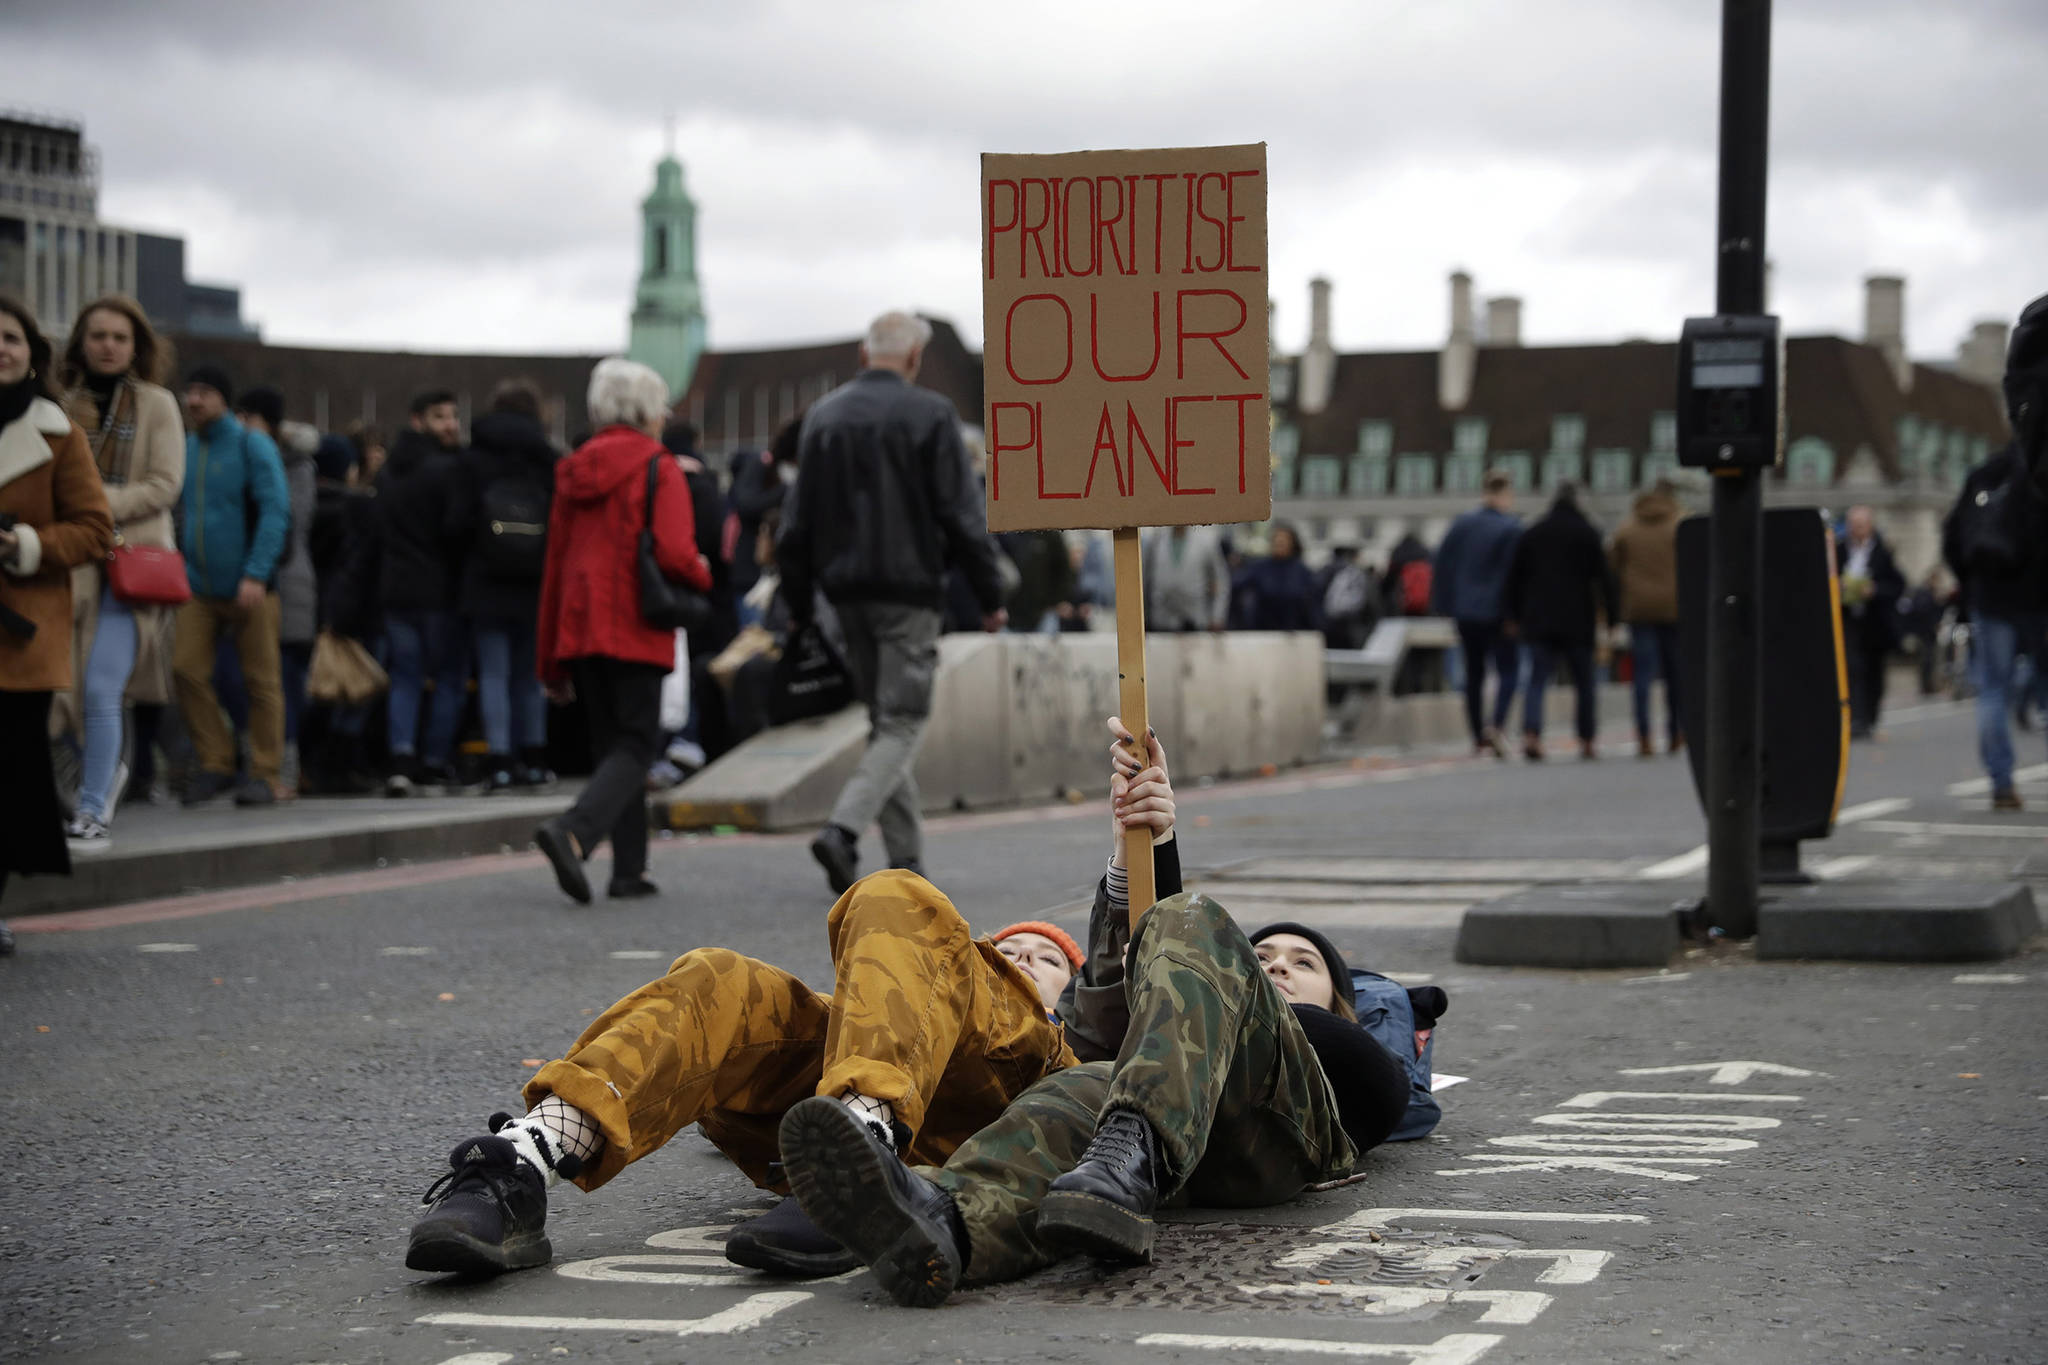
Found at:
[1124, 311]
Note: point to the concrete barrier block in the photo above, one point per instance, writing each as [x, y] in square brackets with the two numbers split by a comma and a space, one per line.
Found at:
[1019, 718]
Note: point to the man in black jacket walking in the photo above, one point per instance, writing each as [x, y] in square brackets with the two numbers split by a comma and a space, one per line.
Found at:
[885, 500]
[1994, 540]
[1871, 588]
[1558, 577]
[421, 552]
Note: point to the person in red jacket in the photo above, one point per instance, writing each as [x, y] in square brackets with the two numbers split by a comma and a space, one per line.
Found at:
[592, 641]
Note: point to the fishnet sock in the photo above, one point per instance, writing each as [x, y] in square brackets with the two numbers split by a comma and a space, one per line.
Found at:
[555, 1138]
[879, 1115]
[574, 1131]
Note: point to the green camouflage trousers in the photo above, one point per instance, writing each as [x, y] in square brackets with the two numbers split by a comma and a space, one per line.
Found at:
[1214, 1060]
[924, 1015]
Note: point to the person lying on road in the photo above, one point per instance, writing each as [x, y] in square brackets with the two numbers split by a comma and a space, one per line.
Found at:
[732, 1043]
[1242, 1077]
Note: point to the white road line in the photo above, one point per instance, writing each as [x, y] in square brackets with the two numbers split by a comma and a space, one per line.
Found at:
[1981, 786]
[480, 1358]
[1958, 831]
[1990, 979]
[1660, 976]
[1871, 810]
[751, 1312]
[166, 947]
[405, 952]
[1724, 1073]
[1684, 865]
[639, 954]
[1459, 1348]
[1834, 869]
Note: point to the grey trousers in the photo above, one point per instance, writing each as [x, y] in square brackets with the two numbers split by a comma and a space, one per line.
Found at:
[893, 653]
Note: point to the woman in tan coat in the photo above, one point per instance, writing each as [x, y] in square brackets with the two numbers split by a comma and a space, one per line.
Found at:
[53, 517]
[114, 366]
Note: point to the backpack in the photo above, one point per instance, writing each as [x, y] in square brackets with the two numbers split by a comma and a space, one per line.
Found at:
[512, 529]
[1385, 1012]
[1347, 594]
[1416, 582]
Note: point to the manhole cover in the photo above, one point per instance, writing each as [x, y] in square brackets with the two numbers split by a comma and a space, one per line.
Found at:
[1207, 1267]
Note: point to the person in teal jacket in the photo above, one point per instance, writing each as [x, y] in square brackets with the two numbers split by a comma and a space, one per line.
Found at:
[237, 516]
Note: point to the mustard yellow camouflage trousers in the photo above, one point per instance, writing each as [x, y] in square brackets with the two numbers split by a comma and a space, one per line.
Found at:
[923, 1015]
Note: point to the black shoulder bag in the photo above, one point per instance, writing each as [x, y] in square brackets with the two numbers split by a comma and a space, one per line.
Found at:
[664, 603]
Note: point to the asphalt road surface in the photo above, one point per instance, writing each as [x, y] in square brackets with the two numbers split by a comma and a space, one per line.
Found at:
[217, 1125]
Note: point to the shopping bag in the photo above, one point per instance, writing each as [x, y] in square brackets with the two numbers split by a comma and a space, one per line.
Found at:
[675, 689]
[343, 673]
[810, 678]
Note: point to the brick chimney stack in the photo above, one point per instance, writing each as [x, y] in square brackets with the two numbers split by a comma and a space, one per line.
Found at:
[1319, 361]
[1459, 358]
[1884, 324]
[1504, 321]
[1982, 355]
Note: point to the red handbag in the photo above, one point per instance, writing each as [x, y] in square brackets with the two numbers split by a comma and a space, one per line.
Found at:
[146, 576]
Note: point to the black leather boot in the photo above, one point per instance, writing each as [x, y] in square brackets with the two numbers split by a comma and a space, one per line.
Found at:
[1103, 1207]
[861, 1195]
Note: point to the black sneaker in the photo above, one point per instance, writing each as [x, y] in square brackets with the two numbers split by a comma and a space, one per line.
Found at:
[489, 1214]
[6, 940]
[554, 841]
[838, 853]
[859, 1193]
[784, 1241]
[439, 779]
[205, 785]
[1103, 1207]
[255, 792]
[405, 776]
[631, 888]
[499, 776]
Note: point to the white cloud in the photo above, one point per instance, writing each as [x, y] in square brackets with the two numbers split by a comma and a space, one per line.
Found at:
[465, 175]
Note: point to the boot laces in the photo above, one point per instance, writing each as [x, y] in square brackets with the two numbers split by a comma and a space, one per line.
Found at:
[475, 1168]
[1122, 1139]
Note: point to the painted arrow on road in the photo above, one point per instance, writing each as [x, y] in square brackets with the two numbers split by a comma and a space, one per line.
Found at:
[1724, 1073]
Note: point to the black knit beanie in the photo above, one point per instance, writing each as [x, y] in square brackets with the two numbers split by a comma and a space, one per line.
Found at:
[1333, 961]
[215, 378]
[265, 402]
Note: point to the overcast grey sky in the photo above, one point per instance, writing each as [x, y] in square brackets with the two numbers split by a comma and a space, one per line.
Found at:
[446, 174]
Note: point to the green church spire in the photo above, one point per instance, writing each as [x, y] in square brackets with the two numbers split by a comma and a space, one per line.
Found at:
[668, 307]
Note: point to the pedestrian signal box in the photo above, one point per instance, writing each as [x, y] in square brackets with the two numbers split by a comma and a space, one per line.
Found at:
[1731, 392]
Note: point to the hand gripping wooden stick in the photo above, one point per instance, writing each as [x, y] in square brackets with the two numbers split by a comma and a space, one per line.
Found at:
[1130, 664]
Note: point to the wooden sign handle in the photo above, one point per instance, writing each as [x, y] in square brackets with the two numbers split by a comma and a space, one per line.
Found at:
[1130, 666]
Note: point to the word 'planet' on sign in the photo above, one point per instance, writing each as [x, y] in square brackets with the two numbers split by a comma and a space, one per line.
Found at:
[1125, 353]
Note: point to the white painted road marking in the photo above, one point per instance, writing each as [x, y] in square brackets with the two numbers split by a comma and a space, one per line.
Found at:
[1378, 1220]
[480, 1358]
[1834, 869]
[1981, 786]
[639, 954]
[1460, 1348]
[1684, 865]
[1725, 1073]
[404, 952]
[1871, 810]
[1962, 831]
[166, 947]
[1594, 1099]
[1504, 1307]
[750, 1313]
[1990, 979]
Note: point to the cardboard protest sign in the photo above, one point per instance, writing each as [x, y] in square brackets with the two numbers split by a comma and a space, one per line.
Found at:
[1125, 344]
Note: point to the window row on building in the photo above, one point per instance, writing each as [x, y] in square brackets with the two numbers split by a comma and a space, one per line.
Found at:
[60, 267]
[1926, 452]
